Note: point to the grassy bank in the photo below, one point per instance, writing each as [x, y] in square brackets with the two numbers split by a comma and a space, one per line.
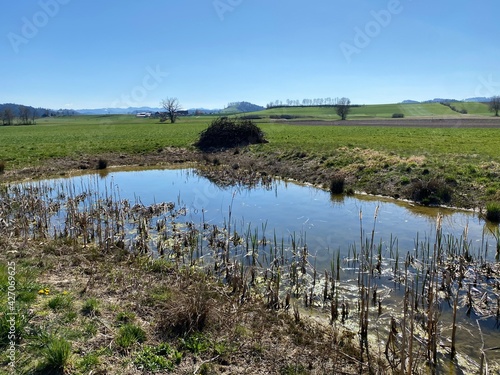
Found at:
[377, 159]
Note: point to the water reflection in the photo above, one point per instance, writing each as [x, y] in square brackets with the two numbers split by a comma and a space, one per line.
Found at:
[325, 222]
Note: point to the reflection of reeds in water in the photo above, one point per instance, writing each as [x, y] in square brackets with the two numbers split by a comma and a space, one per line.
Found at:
[442, 272]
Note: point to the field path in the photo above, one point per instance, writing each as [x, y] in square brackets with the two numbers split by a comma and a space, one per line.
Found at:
[435, 122]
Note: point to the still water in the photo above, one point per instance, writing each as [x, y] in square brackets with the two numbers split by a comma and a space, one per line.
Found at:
[284, 209]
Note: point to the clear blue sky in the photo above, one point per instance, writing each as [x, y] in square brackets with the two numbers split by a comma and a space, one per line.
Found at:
[102, 53]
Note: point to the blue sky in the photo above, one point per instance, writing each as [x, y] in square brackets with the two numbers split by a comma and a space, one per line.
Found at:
[91, 54]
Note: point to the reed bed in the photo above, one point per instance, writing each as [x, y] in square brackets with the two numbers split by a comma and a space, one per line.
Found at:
[404, 304]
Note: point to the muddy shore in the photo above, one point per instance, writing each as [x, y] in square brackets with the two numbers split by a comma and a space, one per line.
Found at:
[373, 172]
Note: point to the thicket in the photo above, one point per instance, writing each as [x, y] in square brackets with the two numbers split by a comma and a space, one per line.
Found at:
[226, 132]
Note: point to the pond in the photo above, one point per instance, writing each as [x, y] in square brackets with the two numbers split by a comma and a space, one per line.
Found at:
[287, 209]
[296, 242]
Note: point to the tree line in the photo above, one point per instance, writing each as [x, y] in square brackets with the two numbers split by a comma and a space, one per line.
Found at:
[16, 114]
[304, 102]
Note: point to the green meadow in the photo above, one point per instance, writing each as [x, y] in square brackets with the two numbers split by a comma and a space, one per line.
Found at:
[72, 137]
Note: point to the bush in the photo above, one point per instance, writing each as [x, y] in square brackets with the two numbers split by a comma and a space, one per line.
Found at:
[398, 115]
[224, 132]
[493, 212]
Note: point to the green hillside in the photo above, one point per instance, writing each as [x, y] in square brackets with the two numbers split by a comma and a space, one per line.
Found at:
[377, 111]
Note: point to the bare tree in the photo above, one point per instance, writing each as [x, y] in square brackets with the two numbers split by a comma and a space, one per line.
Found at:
[171, 106]
[7, 116]
[495, 104]
[24, 115]
[343, 107]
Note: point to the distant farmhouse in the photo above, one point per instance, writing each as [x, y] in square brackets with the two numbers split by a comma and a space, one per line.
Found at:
[144, 114]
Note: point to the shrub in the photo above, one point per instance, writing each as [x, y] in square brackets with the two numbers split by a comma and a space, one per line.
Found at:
[493, 212]
[337, 184]
[224, 132]
[398, 115]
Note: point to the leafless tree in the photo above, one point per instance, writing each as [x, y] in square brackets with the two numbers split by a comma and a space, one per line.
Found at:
[171, 106]
[495, 104]
[24, 115]
[343, 107]
[7, 116]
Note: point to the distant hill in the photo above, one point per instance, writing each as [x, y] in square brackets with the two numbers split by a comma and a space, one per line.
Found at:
[118, 111]
[38, 112]
[239, 107]
[479, 99]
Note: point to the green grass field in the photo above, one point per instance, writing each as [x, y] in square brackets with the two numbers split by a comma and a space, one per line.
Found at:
[92, 135]
[379, 111]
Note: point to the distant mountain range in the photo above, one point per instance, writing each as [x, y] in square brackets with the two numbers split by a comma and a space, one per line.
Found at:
[135, 110]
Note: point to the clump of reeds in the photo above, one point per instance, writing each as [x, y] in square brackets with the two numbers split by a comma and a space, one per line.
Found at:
[337, 183]
[493, 212]
[102, 164]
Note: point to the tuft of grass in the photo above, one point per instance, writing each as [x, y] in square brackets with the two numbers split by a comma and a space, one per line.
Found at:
[19, 324]
[130, 334]
[430, 191]
[2, 166]
[493, 212]
[337, 183]
[90, 307]
[61, 302]
[56, 354]
[124, 317]
[102, 164]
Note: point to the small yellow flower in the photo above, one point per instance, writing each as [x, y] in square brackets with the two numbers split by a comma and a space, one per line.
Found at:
[65, 292]
[41, 291]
